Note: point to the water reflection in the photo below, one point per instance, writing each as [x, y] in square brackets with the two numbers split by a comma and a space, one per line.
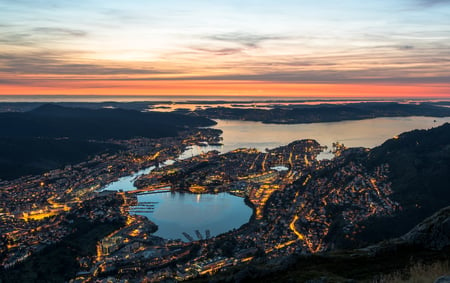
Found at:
[176, 213]
[127, 183]
[359, 133]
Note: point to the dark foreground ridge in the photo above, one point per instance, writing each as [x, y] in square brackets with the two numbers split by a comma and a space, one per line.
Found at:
[52, 136]
[428, 242]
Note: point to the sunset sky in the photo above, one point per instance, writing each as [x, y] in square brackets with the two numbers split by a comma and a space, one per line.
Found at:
[344, 48]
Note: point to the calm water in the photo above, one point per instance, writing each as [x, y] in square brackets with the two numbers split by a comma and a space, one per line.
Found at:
[176, 213]
[126, 183]
[359, 133]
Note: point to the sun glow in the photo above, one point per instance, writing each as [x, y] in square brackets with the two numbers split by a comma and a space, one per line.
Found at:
[225, 48]
[228, 88]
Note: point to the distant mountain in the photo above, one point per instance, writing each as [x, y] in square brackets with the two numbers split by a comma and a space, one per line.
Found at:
[52, 136]
[51, 120]
[28, 155]
[293, 114]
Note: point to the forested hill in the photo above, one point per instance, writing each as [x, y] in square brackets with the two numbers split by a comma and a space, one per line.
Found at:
[56, 121]
[294, 114]
[420, 174]
[52, 136]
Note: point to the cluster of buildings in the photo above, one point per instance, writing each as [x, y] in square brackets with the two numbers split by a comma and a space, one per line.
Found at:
[294, 207]
[33, 209]
[245, 172]
[34, 235]
[353, 191]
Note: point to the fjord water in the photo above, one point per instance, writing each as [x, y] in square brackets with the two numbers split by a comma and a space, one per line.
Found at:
[358, 133]
[176, 213]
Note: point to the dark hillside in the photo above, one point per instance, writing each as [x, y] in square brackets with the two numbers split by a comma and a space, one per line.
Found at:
[420, 175]
[25, 156]
[52, 136]
[57, 121]
[293, 114]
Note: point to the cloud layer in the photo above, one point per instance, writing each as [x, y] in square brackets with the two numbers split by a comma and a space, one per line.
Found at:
[336, 42]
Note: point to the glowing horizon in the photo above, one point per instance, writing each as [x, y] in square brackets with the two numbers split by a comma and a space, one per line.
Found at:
[226, 48]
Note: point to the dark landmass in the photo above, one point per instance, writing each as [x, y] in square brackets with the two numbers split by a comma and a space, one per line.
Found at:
[62, 122]
[28, 106]
[141, 105]
[343, 266]
[282, 112]
[31, 156]
[52, 136]
[294, 114]
[427, 243]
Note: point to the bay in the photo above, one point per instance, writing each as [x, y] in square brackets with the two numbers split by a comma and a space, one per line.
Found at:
[176, 213]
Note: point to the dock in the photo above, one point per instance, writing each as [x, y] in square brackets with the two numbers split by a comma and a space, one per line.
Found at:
[151, 189]
[187, 236]
[199, 235]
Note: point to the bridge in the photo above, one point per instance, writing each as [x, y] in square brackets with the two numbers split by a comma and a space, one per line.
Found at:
[150, 189]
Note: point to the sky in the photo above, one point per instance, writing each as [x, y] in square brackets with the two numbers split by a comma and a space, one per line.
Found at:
[332, 48]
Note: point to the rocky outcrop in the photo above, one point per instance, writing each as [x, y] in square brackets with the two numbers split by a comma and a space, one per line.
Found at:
[432, 233]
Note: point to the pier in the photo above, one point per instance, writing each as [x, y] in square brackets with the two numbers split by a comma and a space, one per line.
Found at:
[143, 207]
[199, 235]
[187, 236]
[152, 189]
